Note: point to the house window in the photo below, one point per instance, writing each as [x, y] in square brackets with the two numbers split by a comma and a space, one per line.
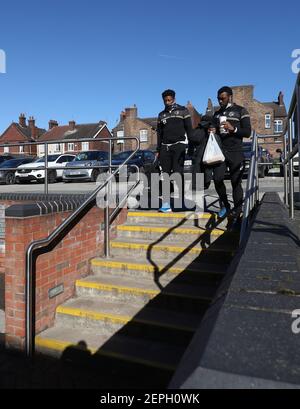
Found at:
[268, 121]
[143, 135]
[70, 146]
[6, 149]
[278, 126]
[85, 146]
[21, 149]
[57, 147]
[120, 134]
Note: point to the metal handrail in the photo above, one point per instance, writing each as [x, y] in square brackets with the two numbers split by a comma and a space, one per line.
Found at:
[289, 151]
[46, 153]
[252, 190]
[45, 245]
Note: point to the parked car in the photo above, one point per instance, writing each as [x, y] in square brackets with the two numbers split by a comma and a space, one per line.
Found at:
[89, 161]
[7, 176]
[143, 160]
[262, 158]
[295, 162]
[25, 174]
[5, 157]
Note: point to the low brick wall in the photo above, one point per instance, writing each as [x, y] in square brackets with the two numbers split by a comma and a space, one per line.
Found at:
[62, 266]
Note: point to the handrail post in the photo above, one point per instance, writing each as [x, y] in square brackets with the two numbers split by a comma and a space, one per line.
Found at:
[29, 311]
[290, 175]
[46, 169]
[256, 174]
[298, 130]
[107, 200]
[285, 171]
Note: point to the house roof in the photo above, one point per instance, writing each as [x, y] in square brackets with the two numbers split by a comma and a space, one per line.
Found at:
[26, 131]
[80, 131]
[279, 110]
[150, 121]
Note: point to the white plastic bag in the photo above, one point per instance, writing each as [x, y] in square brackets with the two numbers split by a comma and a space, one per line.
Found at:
[213, 153]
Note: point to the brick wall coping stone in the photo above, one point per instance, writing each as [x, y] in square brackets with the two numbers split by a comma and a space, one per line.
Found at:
[42, 203]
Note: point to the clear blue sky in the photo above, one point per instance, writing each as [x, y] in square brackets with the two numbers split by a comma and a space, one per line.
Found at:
[87, 60]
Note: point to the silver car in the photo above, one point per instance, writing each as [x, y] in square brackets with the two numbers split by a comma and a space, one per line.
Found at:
[88, 162]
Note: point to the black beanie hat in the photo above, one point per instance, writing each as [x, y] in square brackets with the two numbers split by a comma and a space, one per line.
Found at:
[225, 89]
[168, 92]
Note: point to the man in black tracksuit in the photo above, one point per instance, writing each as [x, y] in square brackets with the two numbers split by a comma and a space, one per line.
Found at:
[233, 125]
[174, 127]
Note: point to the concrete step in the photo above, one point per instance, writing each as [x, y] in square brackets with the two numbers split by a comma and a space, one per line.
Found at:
[176, 296]
[155, 232]
[175, 218]
[138, 320]
[161, 270]
[109, 352]
[190, 250]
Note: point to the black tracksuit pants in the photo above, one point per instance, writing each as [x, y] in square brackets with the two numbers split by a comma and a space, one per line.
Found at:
[235, 162]
[171, 160]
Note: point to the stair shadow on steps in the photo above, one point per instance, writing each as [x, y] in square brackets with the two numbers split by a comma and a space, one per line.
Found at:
[145, 352]
[204, 240]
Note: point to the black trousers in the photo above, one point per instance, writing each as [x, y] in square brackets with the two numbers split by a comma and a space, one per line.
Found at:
[235, 162]
[171, 160]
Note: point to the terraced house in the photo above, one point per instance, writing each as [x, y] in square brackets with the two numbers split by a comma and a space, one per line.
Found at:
[19, 133]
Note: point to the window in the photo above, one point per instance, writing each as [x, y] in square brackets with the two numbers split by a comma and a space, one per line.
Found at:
[70, 146]
[62, 159]
[69, 158]
[6, 149]
[85, 146]
[57, 147]
[268, 121]
[143, 135]
[120, 134]
[21, 149]
[278, 126]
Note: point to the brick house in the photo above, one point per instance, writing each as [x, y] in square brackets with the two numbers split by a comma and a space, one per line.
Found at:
[21, 132]
[131, 125]
[56, 132]
[267, 118]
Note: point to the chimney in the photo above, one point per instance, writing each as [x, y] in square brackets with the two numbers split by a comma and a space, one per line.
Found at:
[210, 107]
[131, 112]
[22, 120]
[280, 99]
[33, 129]
[122, 116]
[52, 123]
[71, 125]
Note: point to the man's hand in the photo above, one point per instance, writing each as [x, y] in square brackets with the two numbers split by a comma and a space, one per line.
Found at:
[227, 126]
[157, 155]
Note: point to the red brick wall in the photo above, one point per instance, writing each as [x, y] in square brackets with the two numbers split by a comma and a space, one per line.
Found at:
[63, 265]
[12, 135]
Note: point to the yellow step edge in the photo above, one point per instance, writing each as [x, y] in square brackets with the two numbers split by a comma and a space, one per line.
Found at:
[140, 267]
[98, 316]
[110, 287]
[178, 230]
[57, 345]
[115, 319]
[132, 290]
[156, 247]
[171, 215]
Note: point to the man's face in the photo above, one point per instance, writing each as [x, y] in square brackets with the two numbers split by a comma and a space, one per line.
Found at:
[224, 99]
[168, 100]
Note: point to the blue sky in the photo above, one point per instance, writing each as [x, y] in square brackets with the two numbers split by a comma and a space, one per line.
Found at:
[87, 60]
